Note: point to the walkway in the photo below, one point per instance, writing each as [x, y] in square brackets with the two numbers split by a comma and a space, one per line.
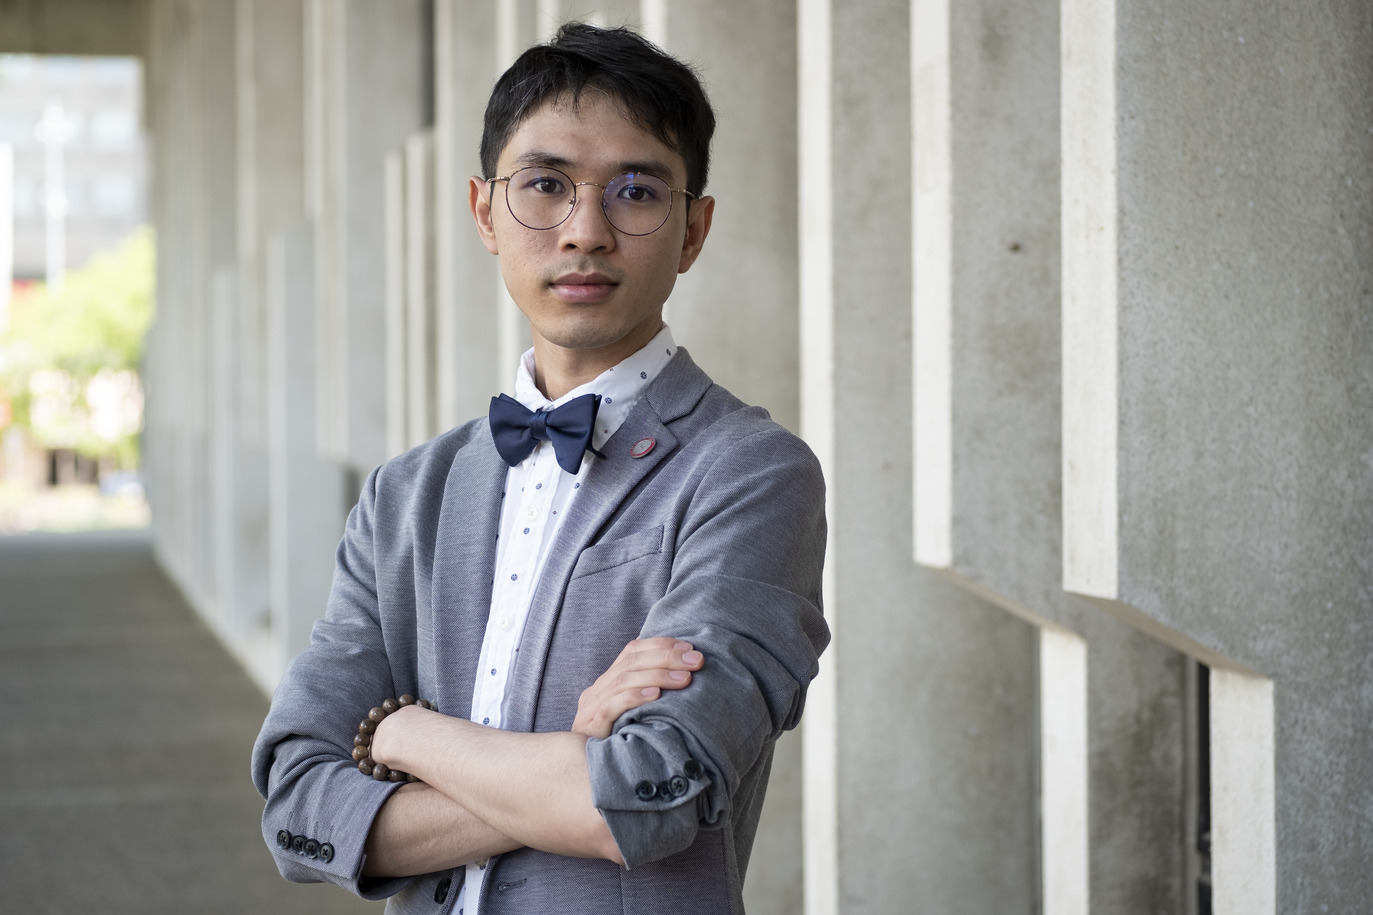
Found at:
[124, 744]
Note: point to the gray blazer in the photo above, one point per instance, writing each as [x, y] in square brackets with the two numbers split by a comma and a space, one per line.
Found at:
[715, 536]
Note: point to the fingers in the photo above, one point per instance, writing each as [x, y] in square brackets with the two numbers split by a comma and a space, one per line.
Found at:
[658, 654]
[642, 671]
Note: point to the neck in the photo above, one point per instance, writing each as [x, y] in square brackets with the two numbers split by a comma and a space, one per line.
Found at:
[558, 369]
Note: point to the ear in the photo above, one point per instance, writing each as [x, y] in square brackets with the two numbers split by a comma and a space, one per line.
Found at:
[479, 194]
[698, 227]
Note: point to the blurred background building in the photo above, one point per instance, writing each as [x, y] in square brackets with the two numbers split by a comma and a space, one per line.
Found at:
[1073, 300]
[94, 107]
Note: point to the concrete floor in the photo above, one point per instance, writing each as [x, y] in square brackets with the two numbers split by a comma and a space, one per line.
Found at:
[124, 744]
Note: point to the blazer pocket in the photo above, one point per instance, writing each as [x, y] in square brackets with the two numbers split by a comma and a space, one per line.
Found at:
[609, 555]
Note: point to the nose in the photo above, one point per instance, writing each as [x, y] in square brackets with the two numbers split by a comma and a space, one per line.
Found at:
[586, 227]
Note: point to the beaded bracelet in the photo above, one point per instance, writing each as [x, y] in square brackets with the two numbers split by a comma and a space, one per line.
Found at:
[362, 743]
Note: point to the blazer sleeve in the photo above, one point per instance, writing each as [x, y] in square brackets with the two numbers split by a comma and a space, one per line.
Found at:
[745, 590]
[319, 807]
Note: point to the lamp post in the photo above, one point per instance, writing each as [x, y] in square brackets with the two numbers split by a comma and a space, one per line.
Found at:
[6, 232]
[53, 131]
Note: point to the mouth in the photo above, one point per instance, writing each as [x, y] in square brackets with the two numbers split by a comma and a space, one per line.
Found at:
[583, 287]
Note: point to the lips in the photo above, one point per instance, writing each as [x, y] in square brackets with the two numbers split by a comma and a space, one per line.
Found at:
[583, 287]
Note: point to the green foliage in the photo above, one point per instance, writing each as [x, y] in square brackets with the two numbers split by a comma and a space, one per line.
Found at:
[93, 330]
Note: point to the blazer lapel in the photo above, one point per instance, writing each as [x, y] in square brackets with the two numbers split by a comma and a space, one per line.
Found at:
[464, 568]
[609, 483]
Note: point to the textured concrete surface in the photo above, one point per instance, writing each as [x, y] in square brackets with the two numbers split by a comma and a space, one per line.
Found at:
[125, 745]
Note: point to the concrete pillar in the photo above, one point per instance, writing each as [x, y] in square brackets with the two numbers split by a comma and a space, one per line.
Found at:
[411, 382]
[420, 276]
[309, 496]
[916, 758]
[364, 106]
[737, 309]
[987, 472]
[1218, 207]
[270, 39]
[181, 87]
[468, 367]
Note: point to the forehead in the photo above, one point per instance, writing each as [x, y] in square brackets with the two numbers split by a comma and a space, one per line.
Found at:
[592, 135]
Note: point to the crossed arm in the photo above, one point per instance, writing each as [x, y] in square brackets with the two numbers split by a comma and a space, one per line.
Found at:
[486, 791]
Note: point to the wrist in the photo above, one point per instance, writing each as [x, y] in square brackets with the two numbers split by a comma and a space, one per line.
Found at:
[379, 746]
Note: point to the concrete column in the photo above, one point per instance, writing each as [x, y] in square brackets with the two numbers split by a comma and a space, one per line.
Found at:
[395, 225]
[270, 39]
[411, 384]
[420, 280]
[1218, 207]
[366, 105]
[468, 368]
[737, 309]
[308, 493]
[179, 86]
[921, 744]
[987, 472]
[519, 24]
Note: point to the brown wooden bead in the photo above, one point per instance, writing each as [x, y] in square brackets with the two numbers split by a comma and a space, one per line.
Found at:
[411, 778]
[405, 700]
[389, 706]
[358, 740]
[376, 715]
[396, 776]
[380, 771]
[423, 703]
[365, 766]
[359, 754]
[366, 727]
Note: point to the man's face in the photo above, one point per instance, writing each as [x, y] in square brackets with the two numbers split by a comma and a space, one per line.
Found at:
[583, 285]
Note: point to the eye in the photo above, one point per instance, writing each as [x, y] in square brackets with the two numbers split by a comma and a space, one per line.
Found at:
[638, 189]
[545, 183]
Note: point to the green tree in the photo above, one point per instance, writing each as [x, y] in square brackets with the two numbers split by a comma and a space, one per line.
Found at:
[69, 361]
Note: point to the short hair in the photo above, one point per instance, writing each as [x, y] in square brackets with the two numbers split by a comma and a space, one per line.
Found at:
[656, 92]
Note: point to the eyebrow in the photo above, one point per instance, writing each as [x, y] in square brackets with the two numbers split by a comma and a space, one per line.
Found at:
[655, 167]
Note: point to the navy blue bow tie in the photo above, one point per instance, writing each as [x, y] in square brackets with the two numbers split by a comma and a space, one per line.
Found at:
[518, 429]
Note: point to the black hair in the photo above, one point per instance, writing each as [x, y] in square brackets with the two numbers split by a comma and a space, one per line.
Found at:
[656, 92]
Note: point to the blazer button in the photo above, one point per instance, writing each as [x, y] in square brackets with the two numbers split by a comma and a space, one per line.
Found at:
[441, 891]
[311, 848]
[645, 790]
[677, 785]
[665, 790]
[298, 844]
[326, 853]
[693, 769]
[284, 839]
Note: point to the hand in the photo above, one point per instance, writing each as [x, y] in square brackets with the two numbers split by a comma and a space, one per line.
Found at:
[394, 732]
[643, 670]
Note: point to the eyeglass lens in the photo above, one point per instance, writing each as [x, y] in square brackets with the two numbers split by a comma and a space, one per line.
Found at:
[634, 203]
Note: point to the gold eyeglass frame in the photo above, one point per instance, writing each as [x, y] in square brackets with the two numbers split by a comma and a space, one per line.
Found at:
[575, 197]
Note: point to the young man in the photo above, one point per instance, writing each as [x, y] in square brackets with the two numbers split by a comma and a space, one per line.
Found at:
[610, 589]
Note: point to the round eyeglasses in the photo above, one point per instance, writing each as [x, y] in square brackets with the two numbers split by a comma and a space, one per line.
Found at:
[542, 198]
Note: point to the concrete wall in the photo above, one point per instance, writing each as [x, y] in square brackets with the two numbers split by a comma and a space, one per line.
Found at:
[1073, 301]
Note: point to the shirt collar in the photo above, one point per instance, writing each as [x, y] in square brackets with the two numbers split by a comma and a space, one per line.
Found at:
[620, 386]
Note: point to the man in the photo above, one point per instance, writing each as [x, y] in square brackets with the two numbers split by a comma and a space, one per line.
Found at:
[499, 569]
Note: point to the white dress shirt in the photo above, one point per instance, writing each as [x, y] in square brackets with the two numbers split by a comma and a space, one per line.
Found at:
[537, 495]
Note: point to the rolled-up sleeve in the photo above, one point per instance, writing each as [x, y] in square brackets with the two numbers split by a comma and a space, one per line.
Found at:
[745, 591]
[319, 807]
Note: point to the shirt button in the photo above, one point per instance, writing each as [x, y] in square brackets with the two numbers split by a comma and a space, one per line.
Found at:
[503, 621]
[532, 512]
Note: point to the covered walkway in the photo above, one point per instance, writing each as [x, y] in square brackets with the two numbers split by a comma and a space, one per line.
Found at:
[125, 743]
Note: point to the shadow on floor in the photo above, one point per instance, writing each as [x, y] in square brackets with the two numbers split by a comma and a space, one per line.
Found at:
[125, 744]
